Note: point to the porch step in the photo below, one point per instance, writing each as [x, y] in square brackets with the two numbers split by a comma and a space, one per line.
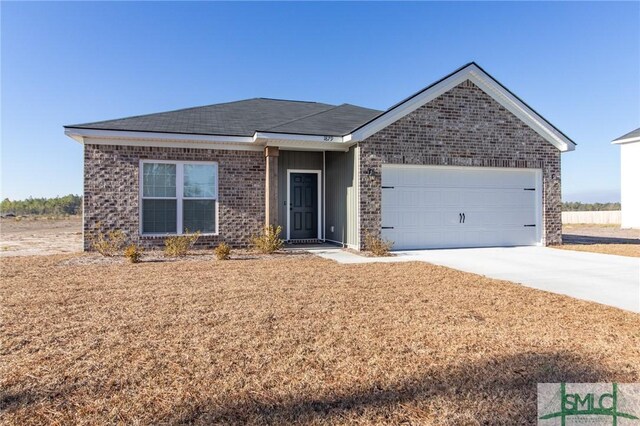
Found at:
[305, 241]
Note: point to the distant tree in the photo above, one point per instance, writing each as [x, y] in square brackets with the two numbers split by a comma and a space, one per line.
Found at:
[580, 207]
[58, 206]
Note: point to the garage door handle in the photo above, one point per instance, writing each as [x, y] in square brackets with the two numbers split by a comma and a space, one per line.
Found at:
[529, 226]
[463, 218]
[387, 227]
[460, 217]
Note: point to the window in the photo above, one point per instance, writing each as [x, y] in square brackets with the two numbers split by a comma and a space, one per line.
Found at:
[178, 197]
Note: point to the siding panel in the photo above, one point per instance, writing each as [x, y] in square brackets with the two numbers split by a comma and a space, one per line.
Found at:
[341, 198]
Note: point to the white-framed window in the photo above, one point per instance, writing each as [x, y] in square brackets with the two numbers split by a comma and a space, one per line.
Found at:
[178, 197]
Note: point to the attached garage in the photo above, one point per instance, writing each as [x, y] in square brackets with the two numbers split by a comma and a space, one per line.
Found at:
[439, 206]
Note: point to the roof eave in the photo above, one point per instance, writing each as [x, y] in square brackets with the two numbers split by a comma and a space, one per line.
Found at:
[626, 140]
[255, 142]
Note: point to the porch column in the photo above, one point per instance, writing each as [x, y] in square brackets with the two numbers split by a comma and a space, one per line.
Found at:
[271, 154]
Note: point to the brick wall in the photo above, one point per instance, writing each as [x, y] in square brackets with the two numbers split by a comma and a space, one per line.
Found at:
[111, 190]
[462, 127]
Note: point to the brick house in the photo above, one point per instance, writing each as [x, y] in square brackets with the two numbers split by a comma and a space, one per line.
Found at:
[462, 163]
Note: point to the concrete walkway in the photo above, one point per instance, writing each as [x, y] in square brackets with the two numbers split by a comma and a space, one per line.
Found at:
[611, 280]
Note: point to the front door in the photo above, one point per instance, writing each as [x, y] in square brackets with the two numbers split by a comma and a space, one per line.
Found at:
[303, 206]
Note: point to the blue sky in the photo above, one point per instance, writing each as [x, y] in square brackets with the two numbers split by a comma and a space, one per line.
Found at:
[578, 64]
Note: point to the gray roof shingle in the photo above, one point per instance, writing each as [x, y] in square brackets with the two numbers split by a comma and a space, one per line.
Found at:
[632, 134]
[244, 118]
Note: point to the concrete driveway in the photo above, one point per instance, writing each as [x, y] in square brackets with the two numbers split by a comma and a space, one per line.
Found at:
[611, 280]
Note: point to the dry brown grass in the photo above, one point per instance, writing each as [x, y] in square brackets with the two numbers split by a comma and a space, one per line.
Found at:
[630, 250]
[292, 340]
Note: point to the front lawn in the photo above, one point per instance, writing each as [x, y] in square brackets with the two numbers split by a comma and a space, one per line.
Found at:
[291, 339]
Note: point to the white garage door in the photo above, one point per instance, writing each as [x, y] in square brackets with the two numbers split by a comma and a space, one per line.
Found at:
[438, 207]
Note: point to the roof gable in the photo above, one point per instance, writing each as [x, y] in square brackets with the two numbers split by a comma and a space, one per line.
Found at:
[487, 84]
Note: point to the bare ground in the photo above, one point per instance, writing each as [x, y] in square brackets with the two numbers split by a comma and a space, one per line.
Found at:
[607, 239]
[285, 339]
[40, 236]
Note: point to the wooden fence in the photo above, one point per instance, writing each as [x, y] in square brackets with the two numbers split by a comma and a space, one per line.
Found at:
[603, 217]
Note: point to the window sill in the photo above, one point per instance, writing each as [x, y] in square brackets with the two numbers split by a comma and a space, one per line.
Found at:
[158, 236]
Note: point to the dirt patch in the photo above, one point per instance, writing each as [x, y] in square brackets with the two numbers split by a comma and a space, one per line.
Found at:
[630, 250]
[291, 340]
[40, 236]
[607, 239]
[599, 234]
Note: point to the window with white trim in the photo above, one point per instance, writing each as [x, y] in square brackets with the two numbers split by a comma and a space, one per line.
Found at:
[178, 197]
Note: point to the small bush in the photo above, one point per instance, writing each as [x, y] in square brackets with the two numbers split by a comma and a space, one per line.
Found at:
[377, 246]
[222, 251]
[179, 245]
[269, 241]
[107, 243]
[133, 253]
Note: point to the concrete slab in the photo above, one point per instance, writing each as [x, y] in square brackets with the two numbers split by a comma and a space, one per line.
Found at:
[611, 280]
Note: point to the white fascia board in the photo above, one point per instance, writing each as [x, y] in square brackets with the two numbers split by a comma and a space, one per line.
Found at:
[175, 144]
[167, 140]
[409, 106]
[520, 110]
[627, 140]
[298, 145]
[296, 137]
[173, 140]
[120, 134]
[488, 85]
[74, 136]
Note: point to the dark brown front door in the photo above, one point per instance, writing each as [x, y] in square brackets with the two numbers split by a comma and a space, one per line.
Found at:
[303, 215]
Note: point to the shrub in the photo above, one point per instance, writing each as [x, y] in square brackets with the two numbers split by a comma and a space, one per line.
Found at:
[377, 245]
[107, 243]
[133, 253]
[222, 251]
[179, 245]
[269, 241]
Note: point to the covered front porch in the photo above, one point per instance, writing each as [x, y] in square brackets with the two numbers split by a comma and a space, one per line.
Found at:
[312, 195]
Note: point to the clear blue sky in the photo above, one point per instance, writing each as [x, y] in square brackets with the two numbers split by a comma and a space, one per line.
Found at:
[578, 64]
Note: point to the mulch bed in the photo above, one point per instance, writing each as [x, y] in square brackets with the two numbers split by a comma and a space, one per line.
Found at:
[291, 339]
[158, 256]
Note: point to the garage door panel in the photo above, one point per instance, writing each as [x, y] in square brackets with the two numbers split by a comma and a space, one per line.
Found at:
[451, 198]
[424, 208]
[430, 197]
[410, 197]
[489, 218]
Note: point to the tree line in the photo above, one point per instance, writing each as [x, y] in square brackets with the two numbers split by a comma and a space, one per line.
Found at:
[589, 207]
[72, 204]
[58, 206]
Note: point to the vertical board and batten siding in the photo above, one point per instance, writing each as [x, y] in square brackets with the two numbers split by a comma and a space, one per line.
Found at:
[300, 160]
[341, 197]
